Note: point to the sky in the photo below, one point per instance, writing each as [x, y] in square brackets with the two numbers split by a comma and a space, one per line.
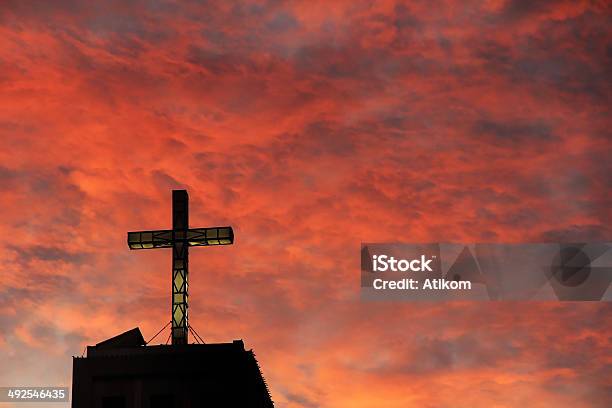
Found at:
[310, 127]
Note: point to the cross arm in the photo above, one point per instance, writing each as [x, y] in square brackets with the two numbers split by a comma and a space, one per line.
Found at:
[193, 237]
[210, 236]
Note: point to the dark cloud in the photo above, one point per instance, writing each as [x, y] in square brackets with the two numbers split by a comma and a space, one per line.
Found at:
[577, 233]
[302, 400]
[517, 134]
[537, 60]
[455, 354]
[517, 9]
[11, 297]
[404, 18]
[318, 139]
[165, 182]
[218, 62]
[26, 255]
[283, 21]
[7, 178]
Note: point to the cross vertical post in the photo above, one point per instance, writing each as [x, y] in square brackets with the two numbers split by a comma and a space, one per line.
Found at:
[180, 266]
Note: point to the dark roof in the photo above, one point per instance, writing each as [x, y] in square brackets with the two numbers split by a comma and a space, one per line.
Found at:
[130, 338]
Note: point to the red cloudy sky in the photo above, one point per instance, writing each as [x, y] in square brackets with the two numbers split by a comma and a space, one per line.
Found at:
[309, 127]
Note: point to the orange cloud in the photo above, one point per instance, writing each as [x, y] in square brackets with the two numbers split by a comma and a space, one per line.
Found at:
[309, 130]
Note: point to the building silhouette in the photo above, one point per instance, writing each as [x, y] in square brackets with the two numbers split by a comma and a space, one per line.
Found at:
[124, 372]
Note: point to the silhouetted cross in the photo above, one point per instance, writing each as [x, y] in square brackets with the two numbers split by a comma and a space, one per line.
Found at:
[180, 238]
